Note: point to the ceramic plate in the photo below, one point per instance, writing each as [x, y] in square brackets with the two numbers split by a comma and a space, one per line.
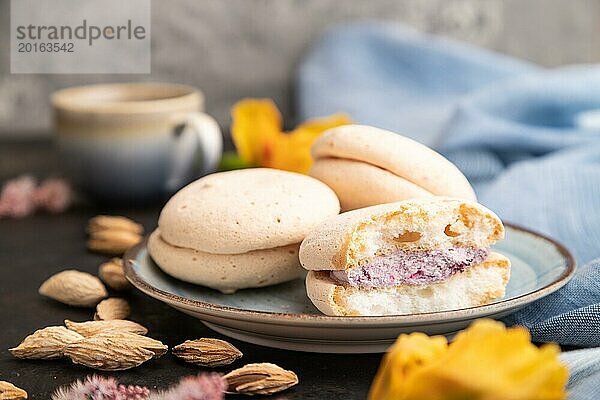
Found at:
[282, 316]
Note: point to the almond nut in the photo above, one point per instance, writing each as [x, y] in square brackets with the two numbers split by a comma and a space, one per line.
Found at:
[90, 328]
[107, 353]
[153, 345]
[106, 222]
[207, 352]
[74, 288]
[45, 344]
[8, 391]
[114, 242]
[112, 308]
[112, 273]
[262, 378]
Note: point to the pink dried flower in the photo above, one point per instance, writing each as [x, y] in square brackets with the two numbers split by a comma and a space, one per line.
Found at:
[53, 195]
[199, 387]
[100, 388]
[133, 392]
[16, 199]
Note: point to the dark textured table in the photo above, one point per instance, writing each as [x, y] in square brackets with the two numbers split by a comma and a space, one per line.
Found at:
[34, 248]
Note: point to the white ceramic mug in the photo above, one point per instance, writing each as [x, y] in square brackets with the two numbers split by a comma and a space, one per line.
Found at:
[135, 141]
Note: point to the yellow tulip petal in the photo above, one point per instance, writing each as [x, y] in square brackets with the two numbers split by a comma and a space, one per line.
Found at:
[409, 353]
[292, 150]
[290, 155]
[258, 137]
[501, 363]
[255, 128]
[487, 361]
[313, 128]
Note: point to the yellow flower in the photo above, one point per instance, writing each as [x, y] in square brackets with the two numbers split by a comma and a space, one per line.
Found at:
[257, 132]
[408, 354]
[256, 125]
[487, 361]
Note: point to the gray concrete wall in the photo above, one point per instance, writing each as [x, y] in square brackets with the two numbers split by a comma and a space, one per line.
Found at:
[237, 48]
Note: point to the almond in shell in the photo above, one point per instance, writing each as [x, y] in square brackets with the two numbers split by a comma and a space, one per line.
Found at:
[107, 353]
[91, 328]
[8, 391]
[207, 352]
[113, 242]
[260, 378]
[45, 344]
[112, 308]
[153, 345]
[74, 288]
[113, 222]
[113, 274]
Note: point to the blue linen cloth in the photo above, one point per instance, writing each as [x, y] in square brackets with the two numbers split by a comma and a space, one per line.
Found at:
[512, 127]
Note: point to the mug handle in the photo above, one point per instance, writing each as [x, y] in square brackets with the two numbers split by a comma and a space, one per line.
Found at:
[197, 139]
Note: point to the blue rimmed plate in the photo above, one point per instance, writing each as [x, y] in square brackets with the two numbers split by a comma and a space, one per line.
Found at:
[282, 316]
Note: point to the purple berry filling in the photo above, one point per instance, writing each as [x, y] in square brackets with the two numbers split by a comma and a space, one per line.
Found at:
[412, 268]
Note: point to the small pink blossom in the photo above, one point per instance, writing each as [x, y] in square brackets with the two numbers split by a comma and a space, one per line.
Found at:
[200, 387]
[16, 198]
[134, 392]
[20, 197]
[100, 388]
[53, 195]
